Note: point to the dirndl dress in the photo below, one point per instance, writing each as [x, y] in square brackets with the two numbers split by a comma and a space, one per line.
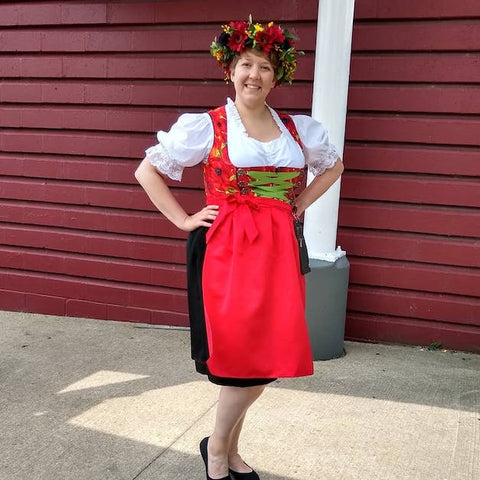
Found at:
[246, 290]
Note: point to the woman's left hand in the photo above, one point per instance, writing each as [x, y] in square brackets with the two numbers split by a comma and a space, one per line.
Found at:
[318, 187]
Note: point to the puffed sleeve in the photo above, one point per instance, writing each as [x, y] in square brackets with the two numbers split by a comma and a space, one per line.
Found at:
[187, 143]
[319, 153]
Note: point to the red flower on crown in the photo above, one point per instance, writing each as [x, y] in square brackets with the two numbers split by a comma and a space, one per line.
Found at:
[238, 36]
[266, 38]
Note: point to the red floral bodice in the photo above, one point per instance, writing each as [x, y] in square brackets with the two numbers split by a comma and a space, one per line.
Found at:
[223, 178]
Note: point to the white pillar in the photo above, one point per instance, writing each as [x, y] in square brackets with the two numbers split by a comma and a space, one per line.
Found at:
[330, 89]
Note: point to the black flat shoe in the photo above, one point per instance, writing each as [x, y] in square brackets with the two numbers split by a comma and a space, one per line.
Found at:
[253, 475]
[204, 454]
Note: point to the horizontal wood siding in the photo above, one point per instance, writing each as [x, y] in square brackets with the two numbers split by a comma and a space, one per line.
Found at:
[84, 86]
[409, 214]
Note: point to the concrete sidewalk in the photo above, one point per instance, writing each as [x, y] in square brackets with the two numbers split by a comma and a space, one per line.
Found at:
[96, 400]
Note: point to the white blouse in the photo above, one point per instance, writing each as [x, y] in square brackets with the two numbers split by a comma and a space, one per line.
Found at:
[190, 140]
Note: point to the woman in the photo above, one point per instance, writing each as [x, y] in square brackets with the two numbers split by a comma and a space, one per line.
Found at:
[246, 289]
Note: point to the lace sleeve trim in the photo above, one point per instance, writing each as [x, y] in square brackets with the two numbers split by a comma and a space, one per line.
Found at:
[326, 159]
[159, 157]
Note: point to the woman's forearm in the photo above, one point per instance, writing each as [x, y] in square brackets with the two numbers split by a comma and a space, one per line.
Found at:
[157, 190]
[161, 196]
[318, 187]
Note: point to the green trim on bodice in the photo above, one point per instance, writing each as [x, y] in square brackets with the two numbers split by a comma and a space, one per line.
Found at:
[275, 185]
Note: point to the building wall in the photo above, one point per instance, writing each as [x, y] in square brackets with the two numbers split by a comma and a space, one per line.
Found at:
[409, 217]
[84, 86]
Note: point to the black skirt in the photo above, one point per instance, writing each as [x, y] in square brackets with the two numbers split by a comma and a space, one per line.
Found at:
[196, 246]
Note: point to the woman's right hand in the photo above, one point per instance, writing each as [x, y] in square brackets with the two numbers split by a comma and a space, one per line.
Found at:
[203, 218]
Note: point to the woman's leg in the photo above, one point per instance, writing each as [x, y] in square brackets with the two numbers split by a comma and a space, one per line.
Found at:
[235, 461]
[233, 403]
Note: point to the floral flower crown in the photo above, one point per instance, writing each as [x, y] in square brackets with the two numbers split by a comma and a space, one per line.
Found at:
[269, 39]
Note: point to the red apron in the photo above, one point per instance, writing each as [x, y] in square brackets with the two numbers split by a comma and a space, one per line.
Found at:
[253, 290]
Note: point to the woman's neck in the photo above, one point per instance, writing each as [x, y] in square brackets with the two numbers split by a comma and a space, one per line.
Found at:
[258, 122]
[251, 111]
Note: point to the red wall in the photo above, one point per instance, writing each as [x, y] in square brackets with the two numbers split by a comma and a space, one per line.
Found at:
[409, 217]
[84, 86]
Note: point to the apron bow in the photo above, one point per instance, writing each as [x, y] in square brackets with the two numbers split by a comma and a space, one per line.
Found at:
[241, 207]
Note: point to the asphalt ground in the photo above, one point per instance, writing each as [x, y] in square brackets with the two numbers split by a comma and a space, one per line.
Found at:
[95, 400]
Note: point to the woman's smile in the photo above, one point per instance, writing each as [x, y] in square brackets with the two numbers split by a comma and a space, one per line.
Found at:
[253, 87]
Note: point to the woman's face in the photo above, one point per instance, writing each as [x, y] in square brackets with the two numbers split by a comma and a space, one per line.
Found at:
[253, 76]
